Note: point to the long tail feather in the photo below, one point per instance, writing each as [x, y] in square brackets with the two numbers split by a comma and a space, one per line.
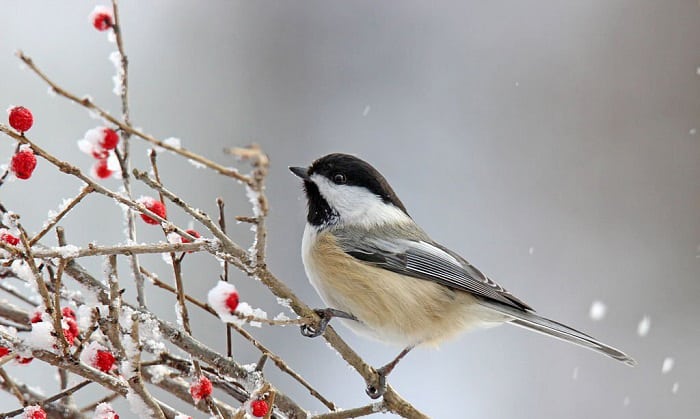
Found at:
[536, 323]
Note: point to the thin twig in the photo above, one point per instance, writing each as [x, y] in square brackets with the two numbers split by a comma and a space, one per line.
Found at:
[58, 312]
[65, 393]
[180, 291]
[132, 249]
[39, 279]
[91, 407]
[12, 386]
[240, 258]
[88, 104]
[136, 380]
[357, 412]
[52, 222]
[224, 274]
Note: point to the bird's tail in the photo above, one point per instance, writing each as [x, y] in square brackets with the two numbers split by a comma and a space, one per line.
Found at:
[531, 321]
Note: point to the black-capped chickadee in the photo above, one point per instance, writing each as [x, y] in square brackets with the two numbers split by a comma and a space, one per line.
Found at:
[376, 268]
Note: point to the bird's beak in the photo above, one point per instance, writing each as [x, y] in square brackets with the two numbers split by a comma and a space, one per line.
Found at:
[302, 172]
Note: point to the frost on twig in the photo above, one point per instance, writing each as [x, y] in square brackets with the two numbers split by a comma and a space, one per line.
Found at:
[82, 323]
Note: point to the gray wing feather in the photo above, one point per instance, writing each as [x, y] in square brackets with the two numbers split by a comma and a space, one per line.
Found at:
[425, 259]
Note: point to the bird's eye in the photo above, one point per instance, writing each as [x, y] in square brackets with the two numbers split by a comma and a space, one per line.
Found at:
[339, 179]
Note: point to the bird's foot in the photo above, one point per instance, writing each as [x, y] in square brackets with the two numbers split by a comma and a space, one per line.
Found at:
[377, 389]
[325, 315]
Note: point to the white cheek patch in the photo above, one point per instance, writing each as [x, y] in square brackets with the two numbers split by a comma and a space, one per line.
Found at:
[356, 205]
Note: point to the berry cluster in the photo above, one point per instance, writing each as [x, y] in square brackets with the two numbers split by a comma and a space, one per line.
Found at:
[70, 325]
[23, 162]
[99, 143]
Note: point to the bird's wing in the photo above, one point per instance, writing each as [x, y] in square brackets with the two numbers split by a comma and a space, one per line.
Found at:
[426, 260]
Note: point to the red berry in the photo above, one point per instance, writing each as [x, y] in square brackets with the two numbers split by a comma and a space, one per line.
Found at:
[110, 139]
[36, 317]
[102, 18]
[232, 301]
[72, 331]
[200, 389]
[68, 312]
[101, 169]
[191, 232]
[99, 153]
[23, 163]
[23, 361]
[259, 408]
[105, 411]
[21, 118]
[153, 205]
[4, 351]
[34, 412]
[8, 238]
[104, 361]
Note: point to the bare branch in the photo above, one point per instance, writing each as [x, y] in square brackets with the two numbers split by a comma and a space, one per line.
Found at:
[65, 210]
[88, 104]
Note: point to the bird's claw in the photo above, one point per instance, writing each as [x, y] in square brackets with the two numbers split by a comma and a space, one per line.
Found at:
[312, 331]
[377, 389]
[325, 315]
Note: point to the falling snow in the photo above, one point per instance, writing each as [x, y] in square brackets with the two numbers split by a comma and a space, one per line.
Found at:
[675, 387]
[644, 326]
[365, 112]
[667, 365]
[597, 311]
[574, 375]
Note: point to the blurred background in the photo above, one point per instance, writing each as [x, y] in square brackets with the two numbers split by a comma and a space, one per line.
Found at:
[553, 144]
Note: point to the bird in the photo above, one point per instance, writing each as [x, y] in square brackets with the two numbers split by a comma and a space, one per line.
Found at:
[383, 276]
